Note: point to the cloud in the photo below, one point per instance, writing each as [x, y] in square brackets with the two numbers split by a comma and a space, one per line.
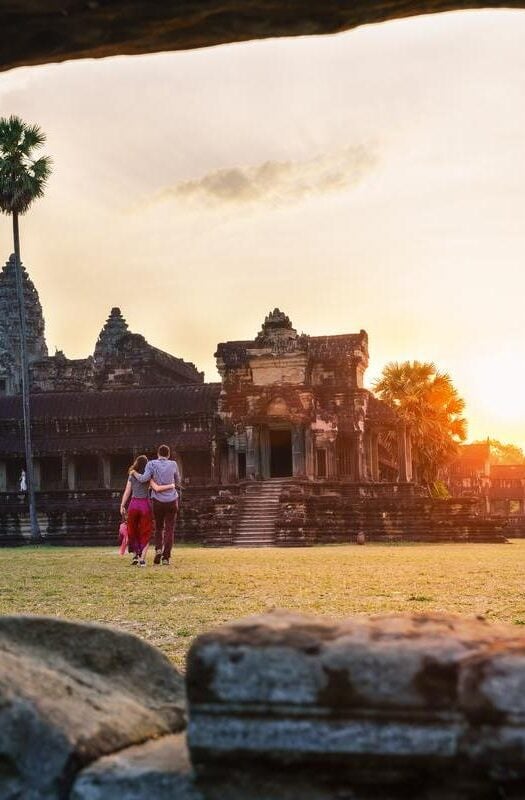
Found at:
[275, 182]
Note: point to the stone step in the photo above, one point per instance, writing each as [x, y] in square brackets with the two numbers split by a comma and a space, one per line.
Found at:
[254, 540]
[261, 515]
[258, 514]
[260, 502]
[263, 509]
[247, 522]
[256, 532]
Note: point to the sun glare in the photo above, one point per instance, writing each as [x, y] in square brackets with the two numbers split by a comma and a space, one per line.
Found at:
[499, 387]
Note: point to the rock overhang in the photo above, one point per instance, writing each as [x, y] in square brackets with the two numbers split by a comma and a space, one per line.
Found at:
[50, 31]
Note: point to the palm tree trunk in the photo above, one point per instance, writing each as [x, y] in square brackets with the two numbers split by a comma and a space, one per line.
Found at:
[35, 531]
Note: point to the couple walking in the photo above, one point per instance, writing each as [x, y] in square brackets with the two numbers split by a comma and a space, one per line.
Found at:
[151, 490]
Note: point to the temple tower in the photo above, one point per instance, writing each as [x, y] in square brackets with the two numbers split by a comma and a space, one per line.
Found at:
[114, 329]
[10, 374]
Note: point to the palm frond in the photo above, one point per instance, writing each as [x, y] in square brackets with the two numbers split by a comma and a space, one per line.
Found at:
[23, 178]
[427, 401]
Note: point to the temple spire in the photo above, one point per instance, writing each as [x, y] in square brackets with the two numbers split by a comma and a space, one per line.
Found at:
[276, 327]
[114, 329]
[9, 319]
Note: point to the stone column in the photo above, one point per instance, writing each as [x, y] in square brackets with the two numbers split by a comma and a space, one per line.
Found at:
[402, 454]
[264, 444]
[216, 456]
[37, 474]
[359, 473]
[3, 476]
[309, 451]
[298, 454]
[331, 461]
[252, 451]
[374, 456]
[410, 476]
[232, 463]
[104, 470]
[224, 465]
[69, 473]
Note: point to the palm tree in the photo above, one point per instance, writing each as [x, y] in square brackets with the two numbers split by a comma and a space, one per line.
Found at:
[430, 406]
[22, 180]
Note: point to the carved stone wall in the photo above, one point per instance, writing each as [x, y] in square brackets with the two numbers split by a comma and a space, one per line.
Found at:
[207, 516]
[313, 386]
[341, 513]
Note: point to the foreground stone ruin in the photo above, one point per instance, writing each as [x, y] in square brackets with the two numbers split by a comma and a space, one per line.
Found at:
[281, 706]
[53, 31]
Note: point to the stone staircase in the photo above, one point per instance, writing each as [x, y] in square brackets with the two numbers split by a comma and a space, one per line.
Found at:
[258, 513]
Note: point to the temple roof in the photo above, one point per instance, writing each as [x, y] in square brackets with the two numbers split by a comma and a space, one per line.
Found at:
[179, 400]
[235, 353]
[147, 441]
[480, 451]
[508, 471]
[117, 349]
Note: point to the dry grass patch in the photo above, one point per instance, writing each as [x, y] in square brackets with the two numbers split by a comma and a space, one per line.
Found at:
[170, 605]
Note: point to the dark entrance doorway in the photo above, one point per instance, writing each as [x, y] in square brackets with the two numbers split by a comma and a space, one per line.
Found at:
[241, 465]
[280, 454]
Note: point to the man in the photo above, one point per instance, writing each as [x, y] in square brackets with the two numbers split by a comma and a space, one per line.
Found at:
[165, 504]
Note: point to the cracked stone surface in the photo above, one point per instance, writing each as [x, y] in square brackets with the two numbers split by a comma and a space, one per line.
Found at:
[40, 31]
[385, 696]
[71, 693]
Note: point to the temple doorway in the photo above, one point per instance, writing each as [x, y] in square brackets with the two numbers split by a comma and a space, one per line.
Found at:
[281, 465]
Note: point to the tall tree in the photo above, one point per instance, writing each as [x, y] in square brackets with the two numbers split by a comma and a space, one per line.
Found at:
[22, 180]
[428, 402]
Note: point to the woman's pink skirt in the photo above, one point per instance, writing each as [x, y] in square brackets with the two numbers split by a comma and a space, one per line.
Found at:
[140, 524]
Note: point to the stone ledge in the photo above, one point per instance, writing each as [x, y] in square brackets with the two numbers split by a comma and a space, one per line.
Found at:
[399, 694]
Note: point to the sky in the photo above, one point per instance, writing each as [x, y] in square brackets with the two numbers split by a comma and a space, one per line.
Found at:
[374, 179]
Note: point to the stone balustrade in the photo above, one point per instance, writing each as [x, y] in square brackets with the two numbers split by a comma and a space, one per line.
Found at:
[310, 513]
[92, 517]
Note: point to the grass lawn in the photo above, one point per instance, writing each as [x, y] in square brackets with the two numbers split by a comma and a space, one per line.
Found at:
[168, 606]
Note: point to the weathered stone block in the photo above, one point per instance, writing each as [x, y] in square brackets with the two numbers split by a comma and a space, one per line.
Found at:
[385, 696]
[159, 769]
[70, 693]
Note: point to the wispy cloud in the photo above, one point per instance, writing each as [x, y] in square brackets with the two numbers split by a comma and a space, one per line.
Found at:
[275, 182]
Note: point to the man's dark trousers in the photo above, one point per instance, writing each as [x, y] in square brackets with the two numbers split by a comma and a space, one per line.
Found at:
[164, 514]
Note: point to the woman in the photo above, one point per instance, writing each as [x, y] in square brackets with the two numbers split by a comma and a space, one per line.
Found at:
[139, 514]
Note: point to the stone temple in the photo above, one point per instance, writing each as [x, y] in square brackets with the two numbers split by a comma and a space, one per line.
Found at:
[288, 434]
